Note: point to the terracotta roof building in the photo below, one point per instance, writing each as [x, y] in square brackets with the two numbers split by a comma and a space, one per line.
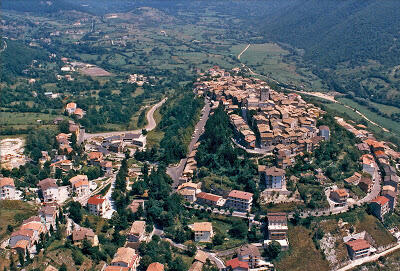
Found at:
[209, 199]
[236, 265]
[49, 189]
[98, 205]
[380, 206]
[203, 231]
[78, 235]
[137, 231]
[240, 200]
[155, 267]
[7, 188]
[358, 248]
[126, 257]
[250, 254]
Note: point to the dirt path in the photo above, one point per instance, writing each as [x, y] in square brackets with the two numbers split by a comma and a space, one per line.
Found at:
[244, 50]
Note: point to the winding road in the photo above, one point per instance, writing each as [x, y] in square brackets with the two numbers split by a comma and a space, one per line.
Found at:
[151, 124]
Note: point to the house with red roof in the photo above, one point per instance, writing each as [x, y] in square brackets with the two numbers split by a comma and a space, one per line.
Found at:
[95, 157]
[236, 265]
[98, 205]
[18, 235]
[239, 200]
[155, 267]
[70, 108]
[380, 206]
[209, 199]
[358, 248]
[126, 257]
[80, 185]
[369, 165]
[340, 196]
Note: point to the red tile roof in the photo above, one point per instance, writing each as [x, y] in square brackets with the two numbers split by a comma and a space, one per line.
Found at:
[235, 263]
[155, 267]
[208, 196]
[240, 194]
[358, 244]
[381, 200]
[25, 232]
[6, 181]
[96, 200]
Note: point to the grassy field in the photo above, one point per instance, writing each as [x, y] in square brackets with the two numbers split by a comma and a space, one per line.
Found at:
[13, 212]
[387, 109]
[282, 207]
[155, 136]
[375, 228]
[385, 122]
[15, 118]
[271, 60]
[223, 224]
[302, 255]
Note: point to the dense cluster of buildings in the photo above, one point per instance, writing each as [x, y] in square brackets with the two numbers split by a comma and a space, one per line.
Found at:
[25, 238]
[264, 118]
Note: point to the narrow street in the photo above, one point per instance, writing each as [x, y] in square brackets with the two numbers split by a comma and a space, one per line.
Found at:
[175, 172]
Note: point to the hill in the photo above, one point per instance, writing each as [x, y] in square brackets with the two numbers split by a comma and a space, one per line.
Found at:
[353, 45]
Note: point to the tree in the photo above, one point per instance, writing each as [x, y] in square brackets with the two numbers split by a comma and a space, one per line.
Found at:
[191, 249]
[12, 264]
[218, 239]
[28, 256]
[21, 258]
[63, 267]
[273, 250]
[239, 229]
[145, 261]
[87, 223]
[75, 211]
[63, 126]
[178, 265]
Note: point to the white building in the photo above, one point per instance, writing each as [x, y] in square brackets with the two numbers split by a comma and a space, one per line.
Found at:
[203, 231]
[7, 188]
[49, 190]
[97, 205]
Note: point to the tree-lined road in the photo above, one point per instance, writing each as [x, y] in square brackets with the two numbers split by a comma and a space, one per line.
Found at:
[175, 172]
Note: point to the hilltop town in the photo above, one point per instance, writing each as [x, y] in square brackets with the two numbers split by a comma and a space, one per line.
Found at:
[184, 135]
[108, 176]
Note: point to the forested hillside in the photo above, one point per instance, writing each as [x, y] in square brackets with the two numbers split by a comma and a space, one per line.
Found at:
[352, 45]
[335, 31]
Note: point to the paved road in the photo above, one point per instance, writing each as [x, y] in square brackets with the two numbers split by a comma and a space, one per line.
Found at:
[151, 124]
[371, 258]
[175, 172]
